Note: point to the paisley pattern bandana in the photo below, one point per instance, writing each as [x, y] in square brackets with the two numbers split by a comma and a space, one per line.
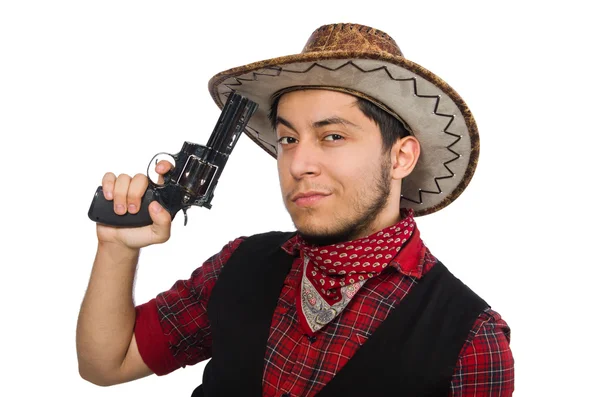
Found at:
[333, 274]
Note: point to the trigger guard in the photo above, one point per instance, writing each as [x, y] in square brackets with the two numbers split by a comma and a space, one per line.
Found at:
[166, 176]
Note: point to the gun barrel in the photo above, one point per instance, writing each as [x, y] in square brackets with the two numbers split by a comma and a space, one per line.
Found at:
[234, 118]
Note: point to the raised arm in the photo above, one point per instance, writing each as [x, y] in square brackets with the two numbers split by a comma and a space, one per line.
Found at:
[106, 346]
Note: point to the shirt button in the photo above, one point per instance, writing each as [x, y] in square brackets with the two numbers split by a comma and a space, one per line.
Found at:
[312, 339]
[285, 395]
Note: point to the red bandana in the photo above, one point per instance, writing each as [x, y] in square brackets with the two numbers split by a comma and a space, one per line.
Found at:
[333, 274]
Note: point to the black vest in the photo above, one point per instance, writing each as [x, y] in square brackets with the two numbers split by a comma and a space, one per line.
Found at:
[412, 353]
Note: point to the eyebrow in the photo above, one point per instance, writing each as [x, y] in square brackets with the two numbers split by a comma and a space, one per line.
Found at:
[318, 124]
[281, 120]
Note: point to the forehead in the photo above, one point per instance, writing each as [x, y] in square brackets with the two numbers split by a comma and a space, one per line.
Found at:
[315, 100]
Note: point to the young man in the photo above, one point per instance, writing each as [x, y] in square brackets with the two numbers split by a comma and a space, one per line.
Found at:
[352, 302]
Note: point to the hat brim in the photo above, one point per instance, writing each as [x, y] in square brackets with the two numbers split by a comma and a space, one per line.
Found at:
[435, 113]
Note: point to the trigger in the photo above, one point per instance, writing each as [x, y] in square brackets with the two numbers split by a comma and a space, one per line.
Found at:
[184, 216]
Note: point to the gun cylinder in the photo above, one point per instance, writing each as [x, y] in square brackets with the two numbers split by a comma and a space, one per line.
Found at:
[197, 176]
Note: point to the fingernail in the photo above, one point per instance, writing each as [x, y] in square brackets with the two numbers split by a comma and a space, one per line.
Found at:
[109, 195]
[120, 208]
[160, 168]
[131, 207]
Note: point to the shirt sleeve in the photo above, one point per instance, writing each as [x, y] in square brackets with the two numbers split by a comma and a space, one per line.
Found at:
[173, 329]
[485, 366]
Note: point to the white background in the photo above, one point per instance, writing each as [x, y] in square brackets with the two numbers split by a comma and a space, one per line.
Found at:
[89, 87]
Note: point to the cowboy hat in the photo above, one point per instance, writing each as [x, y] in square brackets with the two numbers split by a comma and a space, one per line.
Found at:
[368, 63]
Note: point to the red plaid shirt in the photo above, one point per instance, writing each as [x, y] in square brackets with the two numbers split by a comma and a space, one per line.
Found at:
[173, 331]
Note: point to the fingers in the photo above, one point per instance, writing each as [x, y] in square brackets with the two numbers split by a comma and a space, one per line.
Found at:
[161, 226]
[120, 193]
[137, 188]
[126, 192]
[162, 168]
[108, 185]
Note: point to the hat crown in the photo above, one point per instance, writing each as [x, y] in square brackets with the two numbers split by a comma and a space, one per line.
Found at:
[350, 37]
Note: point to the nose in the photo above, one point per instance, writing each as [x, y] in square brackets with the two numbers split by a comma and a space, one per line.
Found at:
[304, 160]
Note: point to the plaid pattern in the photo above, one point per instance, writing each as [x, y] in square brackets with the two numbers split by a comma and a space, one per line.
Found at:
[300, 365]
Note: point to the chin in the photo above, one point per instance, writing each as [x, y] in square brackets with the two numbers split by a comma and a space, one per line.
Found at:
[310, 228]
[323, 239]
[313, 230]
[322, 234]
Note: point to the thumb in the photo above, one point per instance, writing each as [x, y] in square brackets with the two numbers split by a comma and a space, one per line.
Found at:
[161, 227]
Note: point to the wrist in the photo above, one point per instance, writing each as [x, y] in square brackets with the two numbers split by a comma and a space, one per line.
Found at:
[118, 252]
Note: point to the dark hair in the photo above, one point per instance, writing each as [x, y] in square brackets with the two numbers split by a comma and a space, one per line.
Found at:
[391, 128]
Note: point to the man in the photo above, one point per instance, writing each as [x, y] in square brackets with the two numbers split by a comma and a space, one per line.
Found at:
[352, 303]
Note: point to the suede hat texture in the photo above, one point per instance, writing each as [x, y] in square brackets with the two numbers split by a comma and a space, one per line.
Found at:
[368, 63]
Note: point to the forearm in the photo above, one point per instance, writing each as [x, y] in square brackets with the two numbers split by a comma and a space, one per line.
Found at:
[107, 314]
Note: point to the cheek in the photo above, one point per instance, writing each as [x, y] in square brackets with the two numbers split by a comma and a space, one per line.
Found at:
[352, 172]
[281, 168]
[285, 178]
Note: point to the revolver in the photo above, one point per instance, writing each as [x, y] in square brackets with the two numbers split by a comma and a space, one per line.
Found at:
[195, 174]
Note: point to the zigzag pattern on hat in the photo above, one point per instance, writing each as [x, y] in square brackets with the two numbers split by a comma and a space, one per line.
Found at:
[277, 70]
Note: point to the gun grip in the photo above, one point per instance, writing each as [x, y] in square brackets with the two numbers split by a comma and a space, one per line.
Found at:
[102, 211]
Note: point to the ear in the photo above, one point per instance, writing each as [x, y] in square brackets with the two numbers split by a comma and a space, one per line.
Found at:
[404, 155]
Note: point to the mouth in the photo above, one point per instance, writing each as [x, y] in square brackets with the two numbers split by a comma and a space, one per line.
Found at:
[307, 199]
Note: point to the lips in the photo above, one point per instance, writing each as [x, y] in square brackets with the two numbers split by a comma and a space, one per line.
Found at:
[308, 198]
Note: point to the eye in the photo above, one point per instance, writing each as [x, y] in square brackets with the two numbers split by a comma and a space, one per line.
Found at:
[333, 137]
[286, 140]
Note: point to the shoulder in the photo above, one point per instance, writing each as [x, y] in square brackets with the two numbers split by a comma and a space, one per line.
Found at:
[490, 320]
[202, 279]
[490, 334]
[275, 237]
[486, 361]
[212, 267]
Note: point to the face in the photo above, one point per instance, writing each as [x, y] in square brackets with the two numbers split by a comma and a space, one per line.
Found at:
[335, 180]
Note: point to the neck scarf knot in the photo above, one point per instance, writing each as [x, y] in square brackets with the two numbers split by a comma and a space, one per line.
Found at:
[333, 274]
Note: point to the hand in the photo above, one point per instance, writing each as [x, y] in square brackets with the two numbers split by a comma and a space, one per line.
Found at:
[126, 193]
